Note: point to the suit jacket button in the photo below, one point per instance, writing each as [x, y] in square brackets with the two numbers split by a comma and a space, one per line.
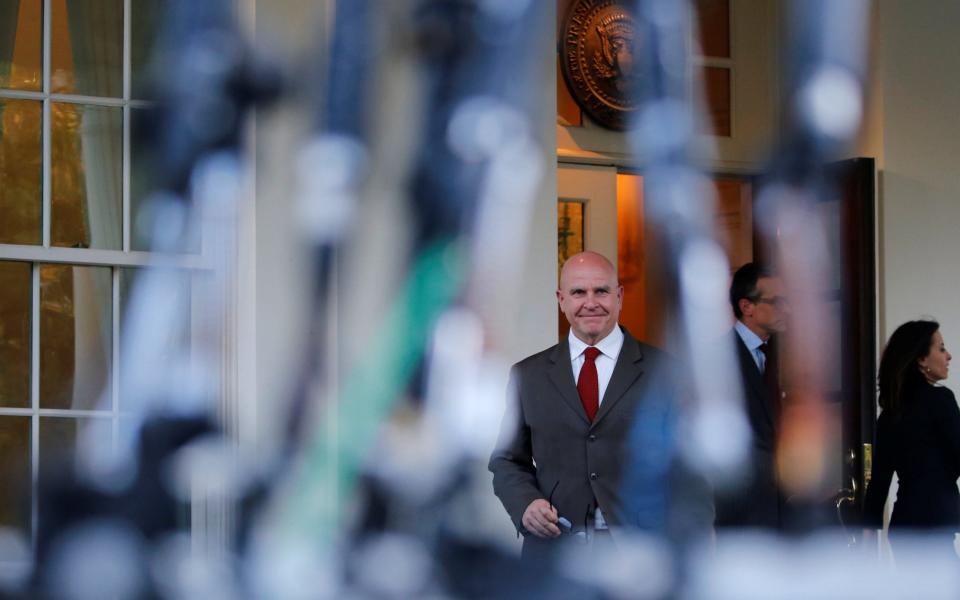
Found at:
[592, 437]
[594, 476]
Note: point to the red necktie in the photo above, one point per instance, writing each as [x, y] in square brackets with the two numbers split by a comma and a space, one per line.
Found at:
[588, 384]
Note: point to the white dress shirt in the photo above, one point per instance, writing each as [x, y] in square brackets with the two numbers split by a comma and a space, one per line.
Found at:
[609, 348]
[753, 342]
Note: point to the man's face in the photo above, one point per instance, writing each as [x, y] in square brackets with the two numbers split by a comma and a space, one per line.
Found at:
[590, 298]
[770, 312]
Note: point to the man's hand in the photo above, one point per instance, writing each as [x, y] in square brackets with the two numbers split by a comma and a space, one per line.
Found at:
[540, 519]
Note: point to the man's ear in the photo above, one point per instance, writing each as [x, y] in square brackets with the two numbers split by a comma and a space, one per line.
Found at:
[746, 307]
[559, 296]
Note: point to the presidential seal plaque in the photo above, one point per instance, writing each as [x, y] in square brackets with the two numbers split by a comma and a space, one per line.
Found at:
[598, 57]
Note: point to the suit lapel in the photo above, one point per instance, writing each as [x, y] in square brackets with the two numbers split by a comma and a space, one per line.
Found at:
[625, 372]
[753, 378]
[560, 374]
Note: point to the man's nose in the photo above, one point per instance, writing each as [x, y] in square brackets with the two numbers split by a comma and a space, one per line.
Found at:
[591, 300]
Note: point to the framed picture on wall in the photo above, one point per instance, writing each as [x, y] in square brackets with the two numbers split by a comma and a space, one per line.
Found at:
[570, 237]
[570, 241]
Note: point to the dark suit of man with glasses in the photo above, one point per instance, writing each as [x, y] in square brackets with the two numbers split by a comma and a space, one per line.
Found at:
[762, 311]
[560, 461]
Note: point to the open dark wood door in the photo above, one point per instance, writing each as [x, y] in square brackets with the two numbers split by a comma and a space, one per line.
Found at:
[855, 238]
[850, 350]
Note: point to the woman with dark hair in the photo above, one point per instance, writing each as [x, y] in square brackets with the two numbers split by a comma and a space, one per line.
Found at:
[918, 436]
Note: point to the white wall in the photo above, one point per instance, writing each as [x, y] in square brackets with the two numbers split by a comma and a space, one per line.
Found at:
[919, 204]
[919, 179]
[537, 316]
[276, 267]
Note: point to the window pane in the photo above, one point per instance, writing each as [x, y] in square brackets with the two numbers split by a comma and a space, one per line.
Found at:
[174, 346]
[716, 81]
[15, 334]
[86, 54]
[15, 473]
[21, 171]
[713, 18]
[20, 44]
[144, 180]
[146, 18]
[76, 330]
[87, 176]
[60, 438]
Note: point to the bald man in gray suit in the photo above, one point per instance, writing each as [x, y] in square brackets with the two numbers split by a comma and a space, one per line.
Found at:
[560, 461]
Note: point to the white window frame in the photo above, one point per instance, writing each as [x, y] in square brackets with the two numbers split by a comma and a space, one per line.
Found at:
[209, 521]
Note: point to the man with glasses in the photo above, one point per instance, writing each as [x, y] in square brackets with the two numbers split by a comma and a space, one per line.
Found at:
[762, 311]
[561, 454]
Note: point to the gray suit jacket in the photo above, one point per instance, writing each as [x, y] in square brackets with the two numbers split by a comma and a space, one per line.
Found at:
[546, 438]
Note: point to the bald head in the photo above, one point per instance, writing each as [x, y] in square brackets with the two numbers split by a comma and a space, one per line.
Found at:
[587, 259]
[590, 296]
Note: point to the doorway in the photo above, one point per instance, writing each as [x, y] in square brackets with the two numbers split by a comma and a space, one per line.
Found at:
[601, 208]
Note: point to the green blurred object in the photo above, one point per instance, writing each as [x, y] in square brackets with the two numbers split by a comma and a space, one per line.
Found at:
[369, 395]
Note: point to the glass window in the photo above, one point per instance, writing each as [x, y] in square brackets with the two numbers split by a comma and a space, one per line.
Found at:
[21, 43]
[21, 171]
[86, 52]
[145, 21]
[76, 336]
[142, 181]
[86, 176]
[713, 20]
[61, 437]
[716, 81]
[177, 289]
[64, 184]
[15, 493]
[15, 334]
